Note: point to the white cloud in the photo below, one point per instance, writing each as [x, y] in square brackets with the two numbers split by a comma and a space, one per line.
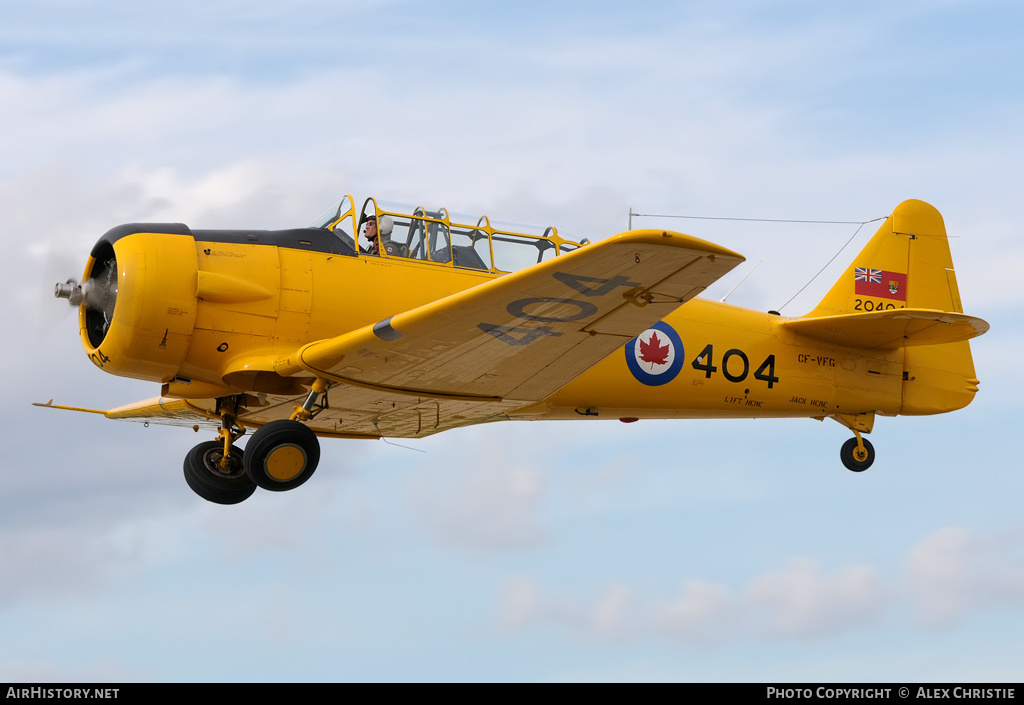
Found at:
[796, 602]
[523, 603]
[610, 617]
[704, 613]
[80, 556]
[949, 575]
[101, 670]
[482, 504]
[800, 601]
[954, 572]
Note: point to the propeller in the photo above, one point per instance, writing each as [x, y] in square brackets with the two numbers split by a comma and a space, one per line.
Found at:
[51, 262]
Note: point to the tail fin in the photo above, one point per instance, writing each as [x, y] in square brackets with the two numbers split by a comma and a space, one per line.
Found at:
[907, 264]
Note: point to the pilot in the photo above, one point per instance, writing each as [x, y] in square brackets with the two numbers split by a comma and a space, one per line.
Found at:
[382, 238]
[371, 236]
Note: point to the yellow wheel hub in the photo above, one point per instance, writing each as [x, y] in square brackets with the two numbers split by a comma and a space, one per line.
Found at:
[286, 462]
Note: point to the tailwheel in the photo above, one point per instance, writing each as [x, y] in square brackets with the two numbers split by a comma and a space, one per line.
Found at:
[282, 455]
[857, 454]
[215, 480]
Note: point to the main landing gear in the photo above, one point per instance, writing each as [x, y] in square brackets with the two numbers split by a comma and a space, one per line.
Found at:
[280, 456]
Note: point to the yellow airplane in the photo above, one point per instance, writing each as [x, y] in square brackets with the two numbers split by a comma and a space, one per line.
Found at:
[400, 322]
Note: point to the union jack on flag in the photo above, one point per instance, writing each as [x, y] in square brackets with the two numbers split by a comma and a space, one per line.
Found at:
[863, 274]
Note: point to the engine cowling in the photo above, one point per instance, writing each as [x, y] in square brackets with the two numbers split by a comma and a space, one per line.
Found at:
[139, 302]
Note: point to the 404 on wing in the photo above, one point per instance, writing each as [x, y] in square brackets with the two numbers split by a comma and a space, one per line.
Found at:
[473, 320]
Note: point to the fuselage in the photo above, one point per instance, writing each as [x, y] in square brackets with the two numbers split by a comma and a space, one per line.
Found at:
[735, 363]
[222, 307]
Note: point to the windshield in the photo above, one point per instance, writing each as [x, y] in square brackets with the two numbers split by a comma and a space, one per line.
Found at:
[333, 214]
[433, 234]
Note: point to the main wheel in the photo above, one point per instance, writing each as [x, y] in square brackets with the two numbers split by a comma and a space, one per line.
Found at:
[206, 477]
[282, 455]
[856, 459]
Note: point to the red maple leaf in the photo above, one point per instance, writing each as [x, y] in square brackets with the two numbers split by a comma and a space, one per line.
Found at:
[653, 352]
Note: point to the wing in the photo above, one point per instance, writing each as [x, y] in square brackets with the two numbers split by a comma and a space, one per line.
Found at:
[513, 340]
[526, 334]
[202, 413]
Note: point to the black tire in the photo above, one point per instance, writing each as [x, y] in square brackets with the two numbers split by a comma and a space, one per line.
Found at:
[282, 455]
[210, 481]
[847, 453]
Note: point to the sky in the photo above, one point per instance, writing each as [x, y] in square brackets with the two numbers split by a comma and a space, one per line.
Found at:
[571, 551]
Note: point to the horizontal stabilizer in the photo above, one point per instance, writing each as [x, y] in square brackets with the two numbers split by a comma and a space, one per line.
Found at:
[889, 329]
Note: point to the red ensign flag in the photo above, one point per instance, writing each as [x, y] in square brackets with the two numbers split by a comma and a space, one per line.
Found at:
[880, 283]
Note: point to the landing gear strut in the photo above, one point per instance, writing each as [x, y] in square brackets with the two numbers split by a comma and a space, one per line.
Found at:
[857, 453]
[215, 470]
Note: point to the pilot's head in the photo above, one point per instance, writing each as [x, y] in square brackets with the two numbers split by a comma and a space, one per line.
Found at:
[371, 228]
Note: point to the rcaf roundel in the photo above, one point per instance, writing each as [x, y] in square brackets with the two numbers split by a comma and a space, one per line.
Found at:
[656, 355]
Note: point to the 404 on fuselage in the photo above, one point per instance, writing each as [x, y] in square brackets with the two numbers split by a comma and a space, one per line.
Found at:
[717, 360]
[393, 321]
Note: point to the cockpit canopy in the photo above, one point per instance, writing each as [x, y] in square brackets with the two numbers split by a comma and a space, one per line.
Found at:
[415, 232]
